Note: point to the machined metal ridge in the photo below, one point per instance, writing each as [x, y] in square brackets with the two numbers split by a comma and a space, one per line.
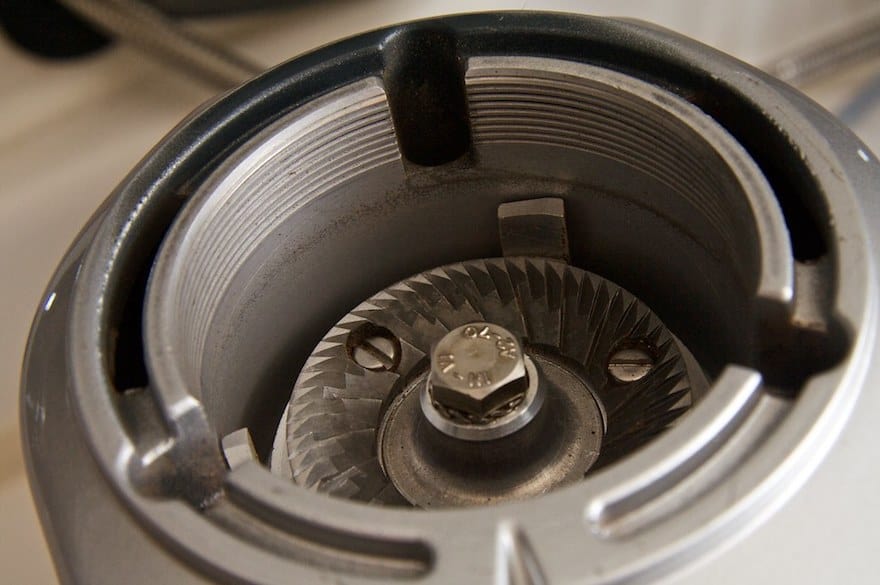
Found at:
[335, 408]
[656, 469]
[533, 94]
[309, 151]
[392, 551]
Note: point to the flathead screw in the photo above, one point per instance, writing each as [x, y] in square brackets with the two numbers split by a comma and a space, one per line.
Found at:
[630, 364]
[376, 350]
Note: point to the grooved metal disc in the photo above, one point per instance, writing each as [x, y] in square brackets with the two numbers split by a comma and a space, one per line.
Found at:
[571, 317]
[738, 208]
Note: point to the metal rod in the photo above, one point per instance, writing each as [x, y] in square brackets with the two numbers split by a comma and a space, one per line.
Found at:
[156, 34]
[827, 55]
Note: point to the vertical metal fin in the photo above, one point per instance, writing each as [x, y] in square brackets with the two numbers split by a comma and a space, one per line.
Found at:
[515, 560]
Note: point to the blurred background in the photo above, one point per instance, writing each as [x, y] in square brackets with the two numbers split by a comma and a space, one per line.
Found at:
[81, 104]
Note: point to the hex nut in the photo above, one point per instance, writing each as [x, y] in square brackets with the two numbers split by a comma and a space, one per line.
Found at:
[477, 368]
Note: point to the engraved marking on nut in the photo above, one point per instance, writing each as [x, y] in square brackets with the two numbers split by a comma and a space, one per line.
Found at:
[481, 385]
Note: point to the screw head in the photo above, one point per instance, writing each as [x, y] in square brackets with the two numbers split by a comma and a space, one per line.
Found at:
[374, 348]
[477, 368]
[630, 362]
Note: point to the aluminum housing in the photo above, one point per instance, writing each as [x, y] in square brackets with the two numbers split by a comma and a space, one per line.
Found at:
[122, 440]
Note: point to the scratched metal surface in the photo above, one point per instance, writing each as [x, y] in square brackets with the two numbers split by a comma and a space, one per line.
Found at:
[69, 133]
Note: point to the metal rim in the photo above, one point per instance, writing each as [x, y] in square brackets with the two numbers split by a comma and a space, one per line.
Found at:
[805, 433]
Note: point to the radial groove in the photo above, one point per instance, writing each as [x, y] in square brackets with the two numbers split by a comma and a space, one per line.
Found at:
[337, 408]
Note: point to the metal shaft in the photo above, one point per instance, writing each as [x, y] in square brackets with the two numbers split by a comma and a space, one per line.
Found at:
[148, 29]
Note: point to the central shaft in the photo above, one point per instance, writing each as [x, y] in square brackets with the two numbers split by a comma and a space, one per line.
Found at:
[481, 385]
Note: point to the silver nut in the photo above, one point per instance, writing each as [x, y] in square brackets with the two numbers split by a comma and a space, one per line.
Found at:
[477, 368]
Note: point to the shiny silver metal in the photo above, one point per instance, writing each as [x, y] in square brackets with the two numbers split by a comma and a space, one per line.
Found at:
[505, 418]
[270, 211]
[630, 363]
[477, 367]
[534, 227]
[469, 467]
[238, 448]
[375, 350]
[377, 437]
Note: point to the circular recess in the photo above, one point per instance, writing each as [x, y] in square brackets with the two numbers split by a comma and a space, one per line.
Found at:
[685, 181]
[362, 434]
[509, 416]
[325, 198]
[557, 447]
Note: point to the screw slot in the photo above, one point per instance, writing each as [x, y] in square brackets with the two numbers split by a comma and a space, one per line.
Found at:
[374, 348]
[631, 361]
